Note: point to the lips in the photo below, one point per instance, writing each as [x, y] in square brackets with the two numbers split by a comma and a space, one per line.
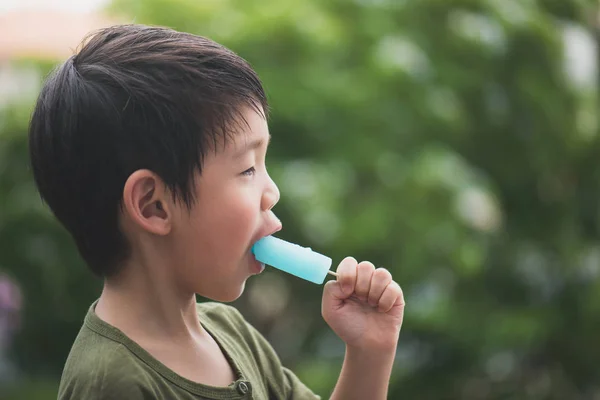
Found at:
[257, 267]
[269, 233]
[277, 229]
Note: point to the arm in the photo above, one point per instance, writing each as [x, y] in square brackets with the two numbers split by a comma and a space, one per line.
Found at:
[364, 375]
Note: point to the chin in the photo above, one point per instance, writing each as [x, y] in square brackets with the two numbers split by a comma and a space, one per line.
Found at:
[228, 295]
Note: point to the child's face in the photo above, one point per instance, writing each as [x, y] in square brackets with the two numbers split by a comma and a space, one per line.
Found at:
[235, 195]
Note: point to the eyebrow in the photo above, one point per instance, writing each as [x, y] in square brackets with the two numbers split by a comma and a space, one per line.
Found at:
[253, 145]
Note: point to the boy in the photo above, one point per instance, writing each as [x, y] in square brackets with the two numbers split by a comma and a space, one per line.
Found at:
[149, 146]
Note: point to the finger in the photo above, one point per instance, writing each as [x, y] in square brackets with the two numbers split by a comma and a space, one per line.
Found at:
[380, 280]
[363, 279]
[347, 275]
[391, 296]
[332, 297]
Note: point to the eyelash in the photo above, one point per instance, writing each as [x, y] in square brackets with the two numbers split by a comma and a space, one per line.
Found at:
[249, 172]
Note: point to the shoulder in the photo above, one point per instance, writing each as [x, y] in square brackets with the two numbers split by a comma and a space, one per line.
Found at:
[99, 368]
[221, 315]
[253, 351]
[214, 308]
[238, 336]
[229, 325]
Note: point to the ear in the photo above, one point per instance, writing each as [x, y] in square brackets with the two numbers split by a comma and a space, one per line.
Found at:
[145, 202]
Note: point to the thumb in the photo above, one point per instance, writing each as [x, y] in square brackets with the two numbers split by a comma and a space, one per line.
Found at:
[333, 296]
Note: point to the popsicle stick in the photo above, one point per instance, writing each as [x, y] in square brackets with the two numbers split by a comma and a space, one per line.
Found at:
[332, 273]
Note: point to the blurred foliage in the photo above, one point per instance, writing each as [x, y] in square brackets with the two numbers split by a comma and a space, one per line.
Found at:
[448, 141]
[32, 390]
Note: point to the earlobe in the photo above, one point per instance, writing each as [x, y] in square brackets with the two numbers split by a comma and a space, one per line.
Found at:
[144, 202]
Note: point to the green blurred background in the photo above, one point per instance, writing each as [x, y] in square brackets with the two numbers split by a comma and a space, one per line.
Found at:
[454, 142]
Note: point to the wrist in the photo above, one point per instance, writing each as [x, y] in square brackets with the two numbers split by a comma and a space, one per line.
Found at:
[365, 374]
[378, 346]
[369, 353]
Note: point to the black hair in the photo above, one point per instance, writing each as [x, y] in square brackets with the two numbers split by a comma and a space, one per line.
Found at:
[134, 97]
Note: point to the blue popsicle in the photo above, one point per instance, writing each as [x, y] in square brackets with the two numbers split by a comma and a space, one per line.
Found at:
[293, 259]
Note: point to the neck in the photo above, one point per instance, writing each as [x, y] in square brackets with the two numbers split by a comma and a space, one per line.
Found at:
[144, 301]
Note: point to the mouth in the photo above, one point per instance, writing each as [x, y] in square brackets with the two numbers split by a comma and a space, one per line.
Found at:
[257, 266]
[279, 227]
[274, 231]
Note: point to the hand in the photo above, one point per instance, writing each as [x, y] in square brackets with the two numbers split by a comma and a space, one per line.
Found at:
[364, 306]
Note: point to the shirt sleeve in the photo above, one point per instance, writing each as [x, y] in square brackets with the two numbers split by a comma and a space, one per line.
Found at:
[294, 387]
[110, 378]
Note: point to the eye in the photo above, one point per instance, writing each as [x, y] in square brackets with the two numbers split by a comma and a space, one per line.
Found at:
[249, 172]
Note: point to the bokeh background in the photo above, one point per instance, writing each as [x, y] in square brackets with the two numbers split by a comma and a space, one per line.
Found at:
[454, 142]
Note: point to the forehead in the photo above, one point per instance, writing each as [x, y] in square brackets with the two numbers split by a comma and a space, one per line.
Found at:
[250, 132]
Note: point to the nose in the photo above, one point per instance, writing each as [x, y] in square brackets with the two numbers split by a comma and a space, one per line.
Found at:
[270, 196]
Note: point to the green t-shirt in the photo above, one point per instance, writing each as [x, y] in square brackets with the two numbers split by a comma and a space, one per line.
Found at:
[105, 364]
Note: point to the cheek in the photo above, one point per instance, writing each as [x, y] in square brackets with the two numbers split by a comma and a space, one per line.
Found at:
[229, 220]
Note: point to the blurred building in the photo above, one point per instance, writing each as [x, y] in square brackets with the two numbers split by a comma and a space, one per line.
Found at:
[38, 33]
